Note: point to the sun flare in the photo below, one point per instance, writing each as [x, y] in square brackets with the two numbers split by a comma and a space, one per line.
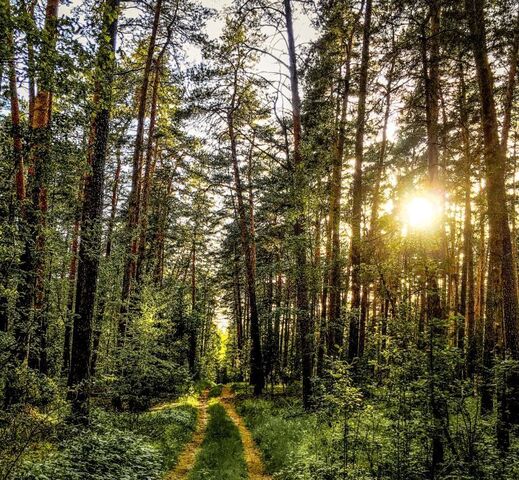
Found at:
[421, 212]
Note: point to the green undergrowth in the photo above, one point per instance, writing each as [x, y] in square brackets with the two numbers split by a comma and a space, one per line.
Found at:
[221, 456]
[117, 446]
[374, 443]
[215, 391]
[294, 445]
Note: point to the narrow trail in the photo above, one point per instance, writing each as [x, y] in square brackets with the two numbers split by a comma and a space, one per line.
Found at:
[187, 458]
[255, 467]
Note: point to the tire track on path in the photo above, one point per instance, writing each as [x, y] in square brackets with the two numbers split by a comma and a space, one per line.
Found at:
[187, 458]
[255, 468]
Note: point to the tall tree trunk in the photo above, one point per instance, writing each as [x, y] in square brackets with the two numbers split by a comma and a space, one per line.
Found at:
[113, 206]
[92, 215]
[135, 192]
[247, 241]
[32, 261]
[372, 243]
[194, 314]
[336, 327]
[299, 181]
[431, 79]
[8, 56]
[15, 117]
[149, 168]
[510, 87]
[101, 303]
[467, 299]
[69, 314]
[502, 297]
[151, 154]
[357, 192]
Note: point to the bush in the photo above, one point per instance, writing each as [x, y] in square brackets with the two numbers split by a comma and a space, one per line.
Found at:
[117, 446]
[169, 429]
[98, 454]
[215, 391]
[147, 377]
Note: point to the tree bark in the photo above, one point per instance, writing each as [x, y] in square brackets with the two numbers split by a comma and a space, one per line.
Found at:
[502, 297]
[510, 87]
[247, 241]
[135, 192]
[32, 261]
[336, 326]
[467, 300]
[357, 192]
[91, 219]
[299, 230]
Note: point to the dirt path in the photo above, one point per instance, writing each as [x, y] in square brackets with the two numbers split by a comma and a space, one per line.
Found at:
[187, 458]
[255, 467]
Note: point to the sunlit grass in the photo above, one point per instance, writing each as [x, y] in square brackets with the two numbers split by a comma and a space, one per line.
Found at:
[222, 455]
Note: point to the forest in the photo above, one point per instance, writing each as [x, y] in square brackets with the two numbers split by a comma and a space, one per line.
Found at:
[259, 239]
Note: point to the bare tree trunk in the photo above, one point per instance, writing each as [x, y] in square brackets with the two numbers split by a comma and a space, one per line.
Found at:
[336, 326]
[356, 326]
[101, 303]
[192, 334]
[467, 299]
[91, 219]
[510, 87]
[135, 193]
[69, 314]
[431, 78]
[502, 297]
[303, 319]
[247, 241]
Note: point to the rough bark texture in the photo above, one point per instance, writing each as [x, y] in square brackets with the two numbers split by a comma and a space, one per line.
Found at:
[91, 220]
[502, 301]
[135, 193]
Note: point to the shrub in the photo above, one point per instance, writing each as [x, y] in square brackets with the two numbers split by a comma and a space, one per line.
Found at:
[98, 454]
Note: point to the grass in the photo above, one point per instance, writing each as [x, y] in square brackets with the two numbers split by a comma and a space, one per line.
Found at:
[221, 456]
[299, 445]
[168, 428]
[118, 445]
[294, 445]
[215, 391]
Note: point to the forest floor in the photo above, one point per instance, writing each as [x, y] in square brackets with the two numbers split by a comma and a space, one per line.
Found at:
[220, 440]
[188, 456]
[255, 467]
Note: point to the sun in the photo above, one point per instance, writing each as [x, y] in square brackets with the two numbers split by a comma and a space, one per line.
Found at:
[421, 212]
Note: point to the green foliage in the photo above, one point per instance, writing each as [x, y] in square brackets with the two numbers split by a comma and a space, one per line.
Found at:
[167, 428]
[295, 445]
[116, 446]
[98, 454]
[147, 376]
[215, 391]
[221, 456]
[30, 387]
